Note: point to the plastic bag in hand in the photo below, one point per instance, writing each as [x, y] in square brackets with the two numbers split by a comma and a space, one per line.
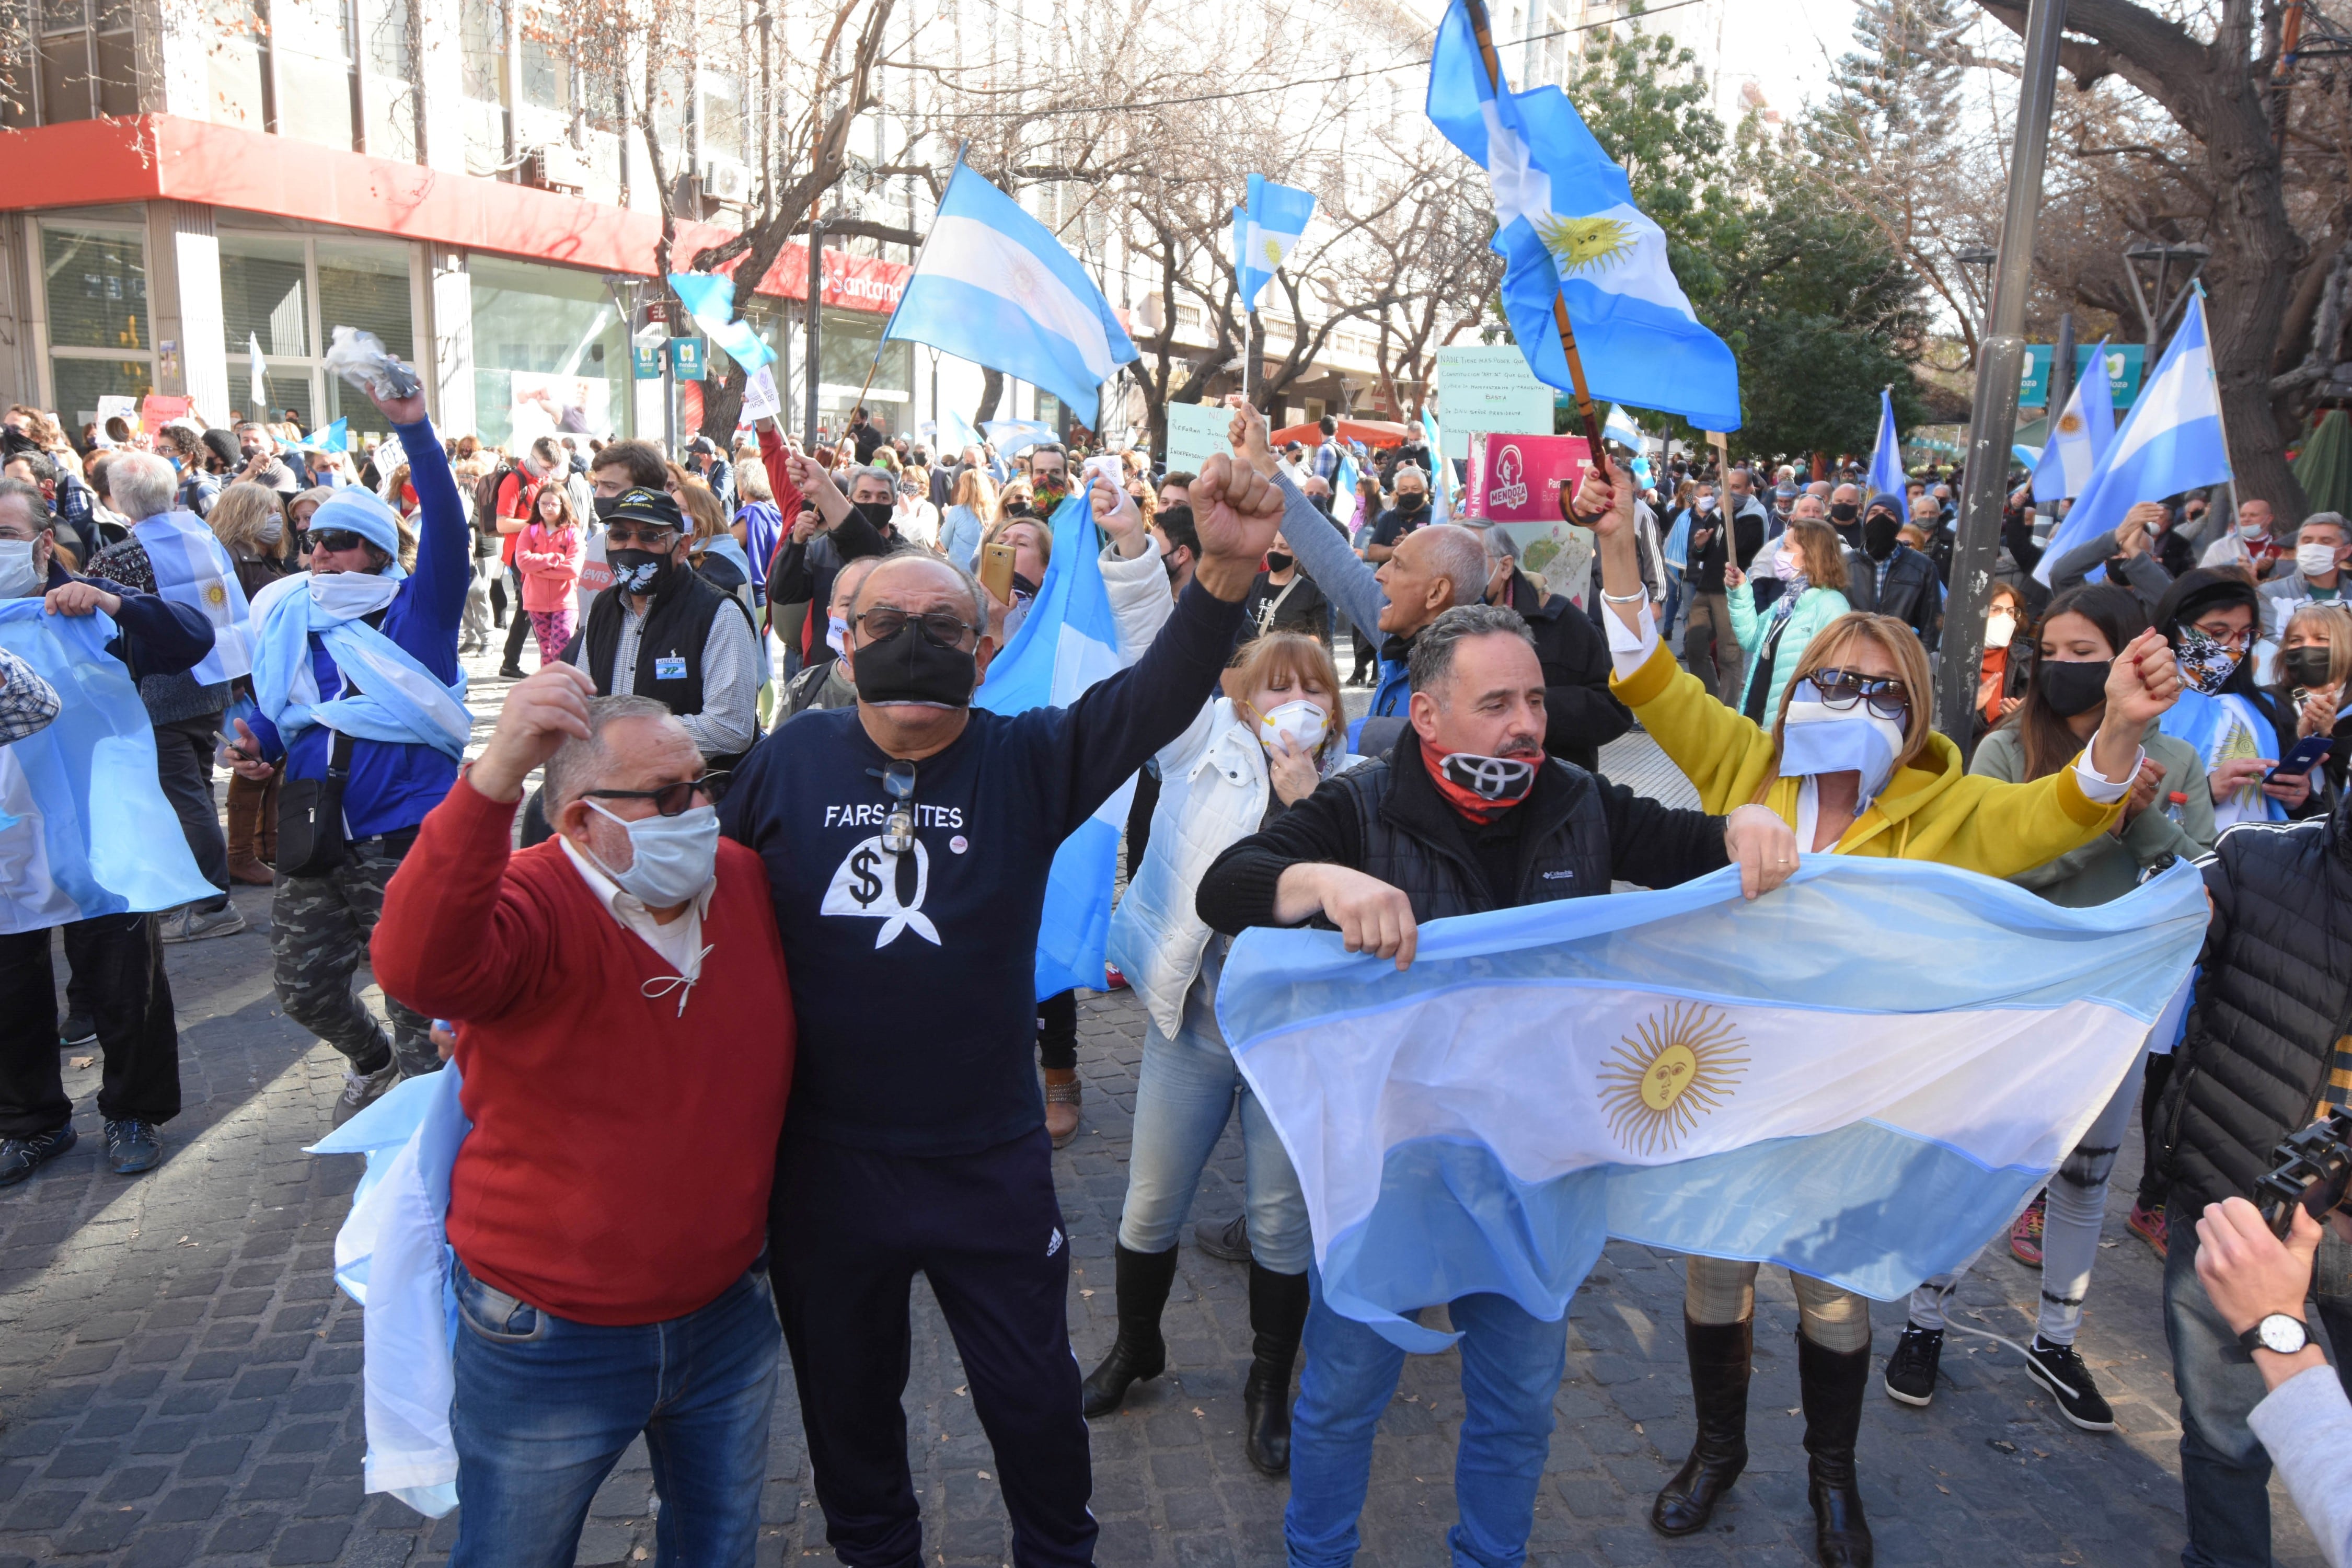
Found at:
[360, 358]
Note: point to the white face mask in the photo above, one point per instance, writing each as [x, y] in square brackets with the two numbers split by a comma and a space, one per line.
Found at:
[672, 858]
[347, 596]
[1302, 721]
[18, 577]
[1786, 566]
[2253, 530]
[2001, 626]
[2314, 560]
[836, 629]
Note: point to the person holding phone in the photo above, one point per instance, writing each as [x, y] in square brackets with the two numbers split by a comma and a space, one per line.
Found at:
[2314, 658]
[2209, 619]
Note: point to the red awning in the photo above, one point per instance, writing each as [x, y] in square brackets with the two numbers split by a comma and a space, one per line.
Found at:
[1370, 432]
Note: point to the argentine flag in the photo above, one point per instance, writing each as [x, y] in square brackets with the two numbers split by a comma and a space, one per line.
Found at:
[85, 830]
[710, 299]
[1344, 499]
[1266, 228]
[1566, 223]
[1546, 1077]
[191, 567]
[259, 371]
[1014, 435]
[1886, 457]
[2170, 441]
[1066, 643]
[992, 286]
[2080, 436]
[335, 437]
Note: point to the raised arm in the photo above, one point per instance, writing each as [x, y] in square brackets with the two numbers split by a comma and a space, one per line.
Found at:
[444, 563]
[1322, 551]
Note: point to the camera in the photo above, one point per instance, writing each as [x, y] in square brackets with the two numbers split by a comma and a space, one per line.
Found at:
[2315, 1167]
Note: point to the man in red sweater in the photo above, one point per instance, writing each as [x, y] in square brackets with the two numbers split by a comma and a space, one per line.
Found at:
[624, 979]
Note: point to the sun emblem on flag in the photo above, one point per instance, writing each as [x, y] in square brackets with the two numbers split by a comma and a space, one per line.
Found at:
[1676, 1066]
[1273, 252]
[215, 594]
[2070, 423]
[1023, 281]
[1578, 242]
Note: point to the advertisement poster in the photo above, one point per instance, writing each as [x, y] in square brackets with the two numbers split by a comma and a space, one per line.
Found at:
[1488, 387]
[1514, 484]
[542, 404]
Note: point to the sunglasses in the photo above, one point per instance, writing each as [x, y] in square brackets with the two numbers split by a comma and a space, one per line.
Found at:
[670, 799]
[940, 629]
[1841, 689]
[626, 533]
[335, 539]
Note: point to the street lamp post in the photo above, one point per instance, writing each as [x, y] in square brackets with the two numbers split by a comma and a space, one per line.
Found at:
[2163, 258]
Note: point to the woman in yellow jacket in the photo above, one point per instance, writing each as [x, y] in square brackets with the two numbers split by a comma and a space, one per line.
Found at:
[1853, 763]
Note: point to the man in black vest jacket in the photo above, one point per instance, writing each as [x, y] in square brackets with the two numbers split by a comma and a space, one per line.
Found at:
[2269, 1046]
[1466, 814]
[661, 631]
[1888, 577]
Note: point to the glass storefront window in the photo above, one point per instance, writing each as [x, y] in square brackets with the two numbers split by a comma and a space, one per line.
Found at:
[81, 383]
[291, 291]
[265, 284]
[97, 286]
[550, 355]
[846, 343]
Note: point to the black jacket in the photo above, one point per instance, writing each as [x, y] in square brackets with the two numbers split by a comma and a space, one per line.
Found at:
[2273, 996]
[1703, 568]
[1574, 834]
[1579, 716]
[1913, 594]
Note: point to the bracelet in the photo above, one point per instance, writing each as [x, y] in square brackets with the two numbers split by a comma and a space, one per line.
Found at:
[1635, 597]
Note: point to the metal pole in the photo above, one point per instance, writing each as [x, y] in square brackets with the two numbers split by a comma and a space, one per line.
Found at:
[813, 330]
[2062, 370]
[1993, 424]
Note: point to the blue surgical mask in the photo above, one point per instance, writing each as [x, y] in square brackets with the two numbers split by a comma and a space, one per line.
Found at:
[18, 577]
[672, 858]
[1818, 738]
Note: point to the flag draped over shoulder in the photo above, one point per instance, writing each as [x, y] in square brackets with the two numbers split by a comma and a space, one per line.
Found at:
[1567, 227]
[85, 830]
[191, 567]
[1067, 642]
[1545, 1077]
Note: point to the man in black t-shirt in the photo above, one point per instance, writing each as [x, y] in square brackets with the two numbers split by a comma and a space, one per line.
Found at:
[1411, 512]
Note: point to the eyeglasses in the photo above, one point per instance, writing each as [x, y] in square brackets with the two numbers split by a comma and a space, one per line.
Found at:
[940, 629]
[335, 539]
[670, 799]
[627, 532]
[2226, 636]
[1841, 689]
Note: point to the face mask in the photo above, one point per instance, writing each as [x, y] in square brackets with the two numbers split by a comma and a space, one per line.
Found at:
[1819, 739]
[1706, 503]
[1786, 566]
[1050, 493]
[1301, 720]
[2072, 688]
[272, 531]
[637, 571]
[836, 628]
[1411, 501]
[878, 513]
[1878, 536]
[2314, 560]
[2205, 664]
[910, 668]
[1842, 512]
[604, 506]
[1275, 560]
[2001, 628]
[18, 580]
[672, 857]
[1482, 788]
[2251, 532]
[2308, 666]
[349, 596]
[1022, 588]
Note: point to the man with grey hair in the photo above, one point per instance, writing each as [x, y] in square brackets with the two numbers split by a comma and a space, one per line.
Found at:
[621, 981]
[1465, 814]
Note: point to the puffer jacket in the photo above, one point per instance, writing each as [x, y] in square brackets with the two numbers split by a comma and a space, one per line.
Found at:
[2273, 996]
[1816, 607]
[1213, 793]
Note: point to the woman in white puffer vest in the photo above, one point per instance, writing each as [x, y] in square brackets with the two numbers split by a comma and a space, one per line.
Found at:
[1265, 745]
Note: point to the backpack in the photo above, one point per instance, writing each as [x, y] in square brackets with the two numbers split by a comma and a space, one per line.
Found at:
[486, 498]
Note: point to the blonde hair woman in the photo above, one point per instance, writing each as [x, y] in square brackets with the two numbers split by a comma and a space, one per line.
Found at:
[970, 506]
[2315, 659]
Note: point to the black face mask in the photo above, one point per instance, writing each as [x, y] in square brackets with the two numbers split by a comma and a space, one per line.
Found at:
[1275, 560]
[2308, 666]
[2073, 688]
[1411, 501]
[911, 668]
[1842, 512]
[1878, 536]
[878, 513]
[604, 505]
[638, 570]
[1022, 585]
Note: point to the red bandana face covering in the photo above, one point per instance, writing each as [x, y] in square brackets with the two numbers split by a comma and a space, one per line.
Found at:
[1480, 788]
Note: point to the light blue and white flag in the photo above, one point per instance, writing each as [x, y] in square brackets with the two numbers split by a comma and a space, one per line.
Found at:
[335, 437]
[950, 433]
[1545, 1077]
[710, 299]
[1014, 435]
[1344, 499]
[193, 568]
[85, 830]
[992, 286]
[1266, 228]
[2170, 441]
[1886, 476]
[259, 371]
[1067, 642]
[1567, 227]
[2079, 436]
[1620, 428]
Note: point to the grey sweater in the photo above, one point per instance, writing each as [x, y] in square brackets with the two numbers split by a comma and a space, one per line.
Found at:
[2307, 1425]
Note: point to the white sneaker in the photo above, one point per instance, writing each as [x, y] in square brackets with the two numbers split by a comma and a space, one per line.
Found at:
[189, 923]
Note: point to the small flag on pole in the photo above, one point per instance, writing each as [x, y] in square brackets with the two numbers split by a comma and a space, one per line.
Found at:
[1266, 229]
[261, 372]
[1886, 457]
[2079, 436]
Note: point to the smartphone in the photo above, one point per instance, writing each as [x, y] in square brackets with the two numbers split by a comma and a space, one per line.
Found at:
[996, 571]
[2306, 755]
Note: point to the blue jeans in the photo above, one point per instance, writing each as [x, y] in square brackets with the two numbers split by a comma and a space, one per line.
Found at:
[1181, 1102]
[2225, 1472]
[544, 1407]
[1511, 1367]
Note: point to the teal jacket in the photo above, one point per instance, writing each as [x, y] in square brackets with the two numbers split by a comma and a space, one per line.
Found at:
[1817, 608]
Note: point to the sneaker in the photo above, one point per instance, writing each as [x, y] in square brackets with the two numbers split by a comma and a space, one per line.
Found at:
[132, 1146]
[20, 1157]
[1911, 1370]
[2058, 1369]
[1228, 1241]
[362, 1089]
[189, 923]
[2026, 1236]
[2148, 1225]
[1112, 979]
[81, 1029]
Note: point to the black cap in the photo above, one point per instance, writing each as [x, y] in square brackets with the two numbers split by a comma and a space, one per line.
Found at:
[702, 444]
[643, 505]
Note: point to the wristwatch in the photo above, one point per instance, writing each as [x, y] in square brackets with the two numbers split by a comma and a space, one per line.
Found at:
[2278, 1333]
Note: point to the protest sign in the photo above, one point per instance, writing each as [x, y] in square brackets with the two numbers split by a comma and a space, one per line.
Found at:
[1488, 387]
[1197, 432]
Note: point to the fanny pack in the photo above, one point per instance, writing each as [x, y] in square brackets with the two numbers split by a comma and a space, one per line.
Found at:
[310, 840]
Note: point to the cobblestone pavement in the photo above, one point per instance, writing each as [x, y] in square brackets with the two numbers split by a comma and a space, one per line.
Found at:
[179, 1377]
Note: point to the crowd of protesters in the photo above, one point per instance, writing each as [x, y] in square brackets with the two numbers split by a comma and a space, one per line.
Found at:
[742, 870]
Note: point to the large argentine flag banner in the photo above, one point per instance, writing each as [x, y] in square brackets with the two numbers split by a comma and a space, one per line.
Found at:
[2170, 441]
[193, 568]
[1067, 642]
[84, 827]
[1566, 225]
[994, 286]
[1780, 1080]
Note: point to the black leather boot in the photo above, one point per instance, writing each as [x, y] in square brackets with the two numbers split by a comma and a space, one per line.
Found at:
[1830, 1385]
[1141, 1280]
[1277, 1304]
[1720, 1358]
